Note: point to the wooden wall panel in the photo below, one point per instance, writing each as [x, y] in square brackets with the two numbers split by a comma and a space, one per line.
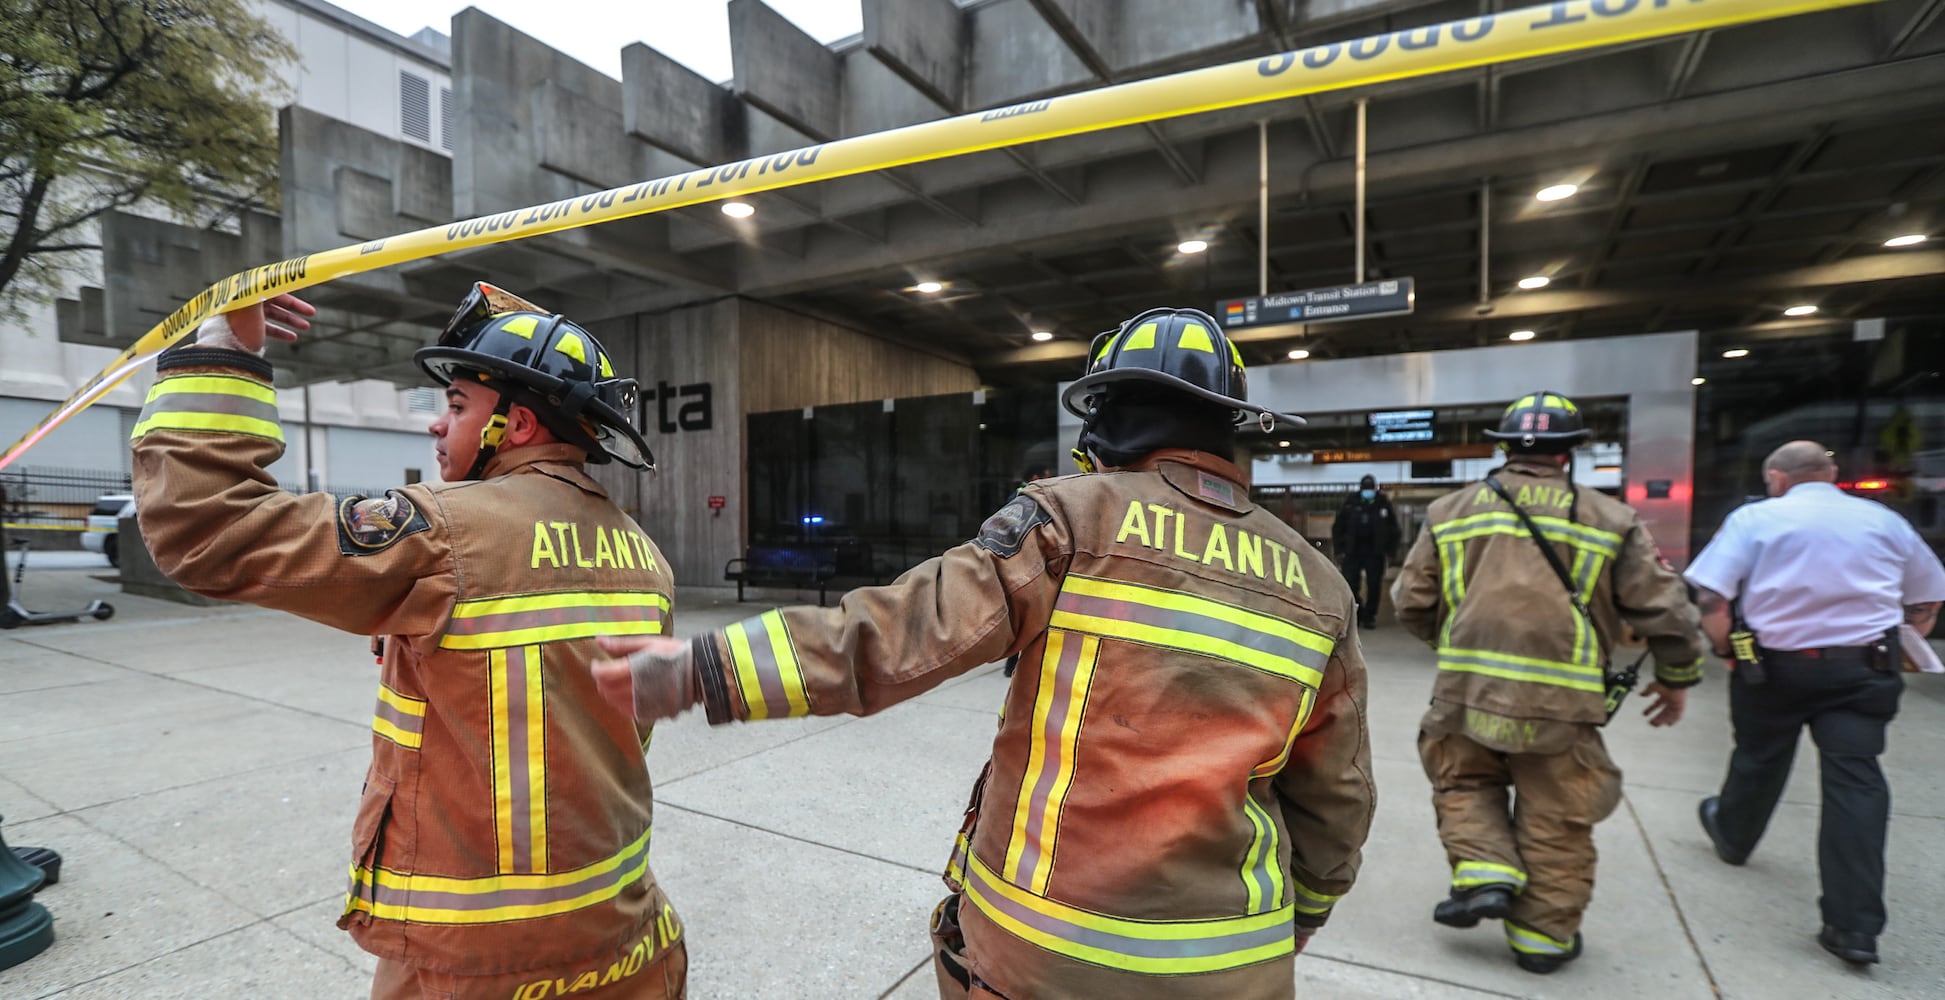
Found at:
[753, 357]
[792, 361]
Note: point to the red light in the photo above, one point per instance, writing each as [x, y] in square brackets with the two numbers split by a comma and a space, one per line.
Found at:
[1873, 484]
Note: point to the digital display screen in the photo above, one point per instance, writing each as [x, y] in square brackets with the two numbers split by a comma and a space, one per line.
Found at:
[1401, 426]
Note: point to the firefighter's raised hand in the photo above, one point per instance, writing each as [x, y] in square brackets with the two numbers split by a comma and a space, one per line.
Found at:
[1668, 704]
[280, 318]
[656, 680]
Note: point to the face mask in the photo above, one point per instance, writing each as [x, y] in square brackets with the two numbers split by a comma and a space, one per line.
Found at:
[1368, 494]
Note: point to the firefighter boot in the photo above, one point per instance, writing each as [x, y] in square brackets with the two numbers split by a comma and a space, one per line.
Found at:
[1466, 907]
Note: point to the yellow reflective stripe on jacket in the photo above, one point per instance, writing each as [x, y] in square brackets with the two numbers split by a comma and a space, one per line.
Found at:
[1468, 874]
[226, 404]
[1066, 674]
[1153, 947]
[1579, 677]
[1452, 582]
[1192, 624]
[399, 718]
[1679, 674]
[1310, 901]
[1505, 522]
[1262, 871]
[1308, 701]
[523, 620]
[766, 667]
[433, 899]
[519, 720]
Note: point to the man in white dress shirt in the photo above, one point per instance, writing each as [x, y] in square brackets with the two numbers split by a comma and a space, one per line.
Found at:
[1823, 580]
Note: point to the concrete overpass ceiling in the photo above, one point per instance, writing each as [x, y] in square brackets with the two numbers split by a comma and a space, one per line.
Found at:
[1723, 176]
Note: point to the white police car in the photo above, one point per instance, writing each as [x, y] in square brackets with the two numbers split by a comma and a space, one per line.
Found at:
[104, 523]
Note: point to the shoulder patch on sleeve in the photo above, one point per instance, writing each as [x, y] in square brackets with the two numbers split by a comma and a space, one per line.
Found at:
[1006, 531]
[369, 525]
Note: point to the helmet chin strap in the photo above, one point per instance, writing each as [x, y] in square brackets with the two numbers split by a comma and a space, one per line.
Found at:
[491, 436]
[1081, 457]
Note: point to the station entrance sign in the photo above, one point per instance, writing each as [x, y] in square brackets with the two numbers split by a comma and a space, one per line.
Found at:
[1391, 297]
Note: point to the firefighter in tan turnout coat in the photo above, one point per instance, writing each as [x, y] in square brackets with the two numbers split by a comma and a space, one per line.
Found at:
[501, 847]
[1522, 662]
[1181, 781]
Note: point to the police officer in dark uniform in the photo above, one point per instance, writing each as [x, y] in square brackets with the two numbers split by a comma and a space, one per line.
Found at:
[1365, 537]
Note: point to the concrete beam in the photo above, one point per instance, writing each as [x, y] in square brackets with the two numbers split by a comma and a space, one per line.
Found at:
[674, 108]
[784, 71]
[1127, 200]
[1858, 270]
[924, 42]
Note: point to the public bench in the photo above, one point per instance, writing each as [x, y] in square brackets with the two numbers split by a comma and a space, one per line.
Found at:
[802, 567]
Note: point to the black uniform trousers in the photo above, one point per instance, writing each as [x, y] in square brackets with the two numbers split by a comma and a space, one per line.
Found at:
[1367, 565]
[1847, 705]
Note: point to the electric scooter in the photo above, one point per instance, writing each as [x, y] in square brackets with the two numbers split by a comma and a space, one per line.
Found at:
[15, 614]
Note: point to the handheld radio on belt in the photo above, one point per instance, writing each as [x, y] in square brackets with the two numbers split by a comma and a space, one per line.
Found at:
[1618, 685]
[1744, 649]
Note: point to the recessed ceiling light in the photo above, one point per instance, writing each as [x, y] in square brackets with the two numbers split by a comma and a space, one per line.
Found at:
[1042, 336]
[1557, 192]
[1736, 352]
[1910, 240]
[1520, 335]
[1535, 281]
[1799, 310]
[1697, 380]
[1299, 354]
[738, 209]
[1283, 444]
[928, 287]
[1192, 246]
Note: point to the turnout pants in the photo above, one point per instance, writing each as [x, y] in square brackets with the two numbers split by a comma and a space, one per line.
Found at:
[1364, 571]
[1846, 705]
[1524, 821]
[610, 978]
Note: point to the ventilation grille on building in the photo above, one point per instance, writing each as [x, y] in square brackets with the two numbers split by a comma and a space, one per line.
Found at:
[445, 117]
[414, 106]
[423, 399]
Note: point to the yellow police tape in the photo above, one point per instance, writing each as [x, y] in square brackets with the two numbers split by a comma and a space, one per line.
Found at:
[32, 526]
[1550, 28]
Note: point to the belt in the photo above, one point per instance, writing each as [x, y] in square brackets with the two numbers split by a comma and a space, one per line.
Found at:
[1824, 654]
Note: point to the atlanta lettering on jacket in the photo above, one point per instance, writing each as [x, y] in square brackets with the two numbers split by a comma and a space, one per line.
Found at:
[558, 544]
[1528, 496]
[1207, 543]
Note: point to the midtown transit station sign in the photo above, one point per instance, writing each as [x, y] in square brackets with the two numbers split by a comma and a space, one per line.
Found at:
[1391, 297]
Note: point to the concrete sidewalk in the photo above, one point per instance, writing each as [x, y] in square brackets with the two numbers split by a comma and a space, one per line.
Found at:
[198, 767]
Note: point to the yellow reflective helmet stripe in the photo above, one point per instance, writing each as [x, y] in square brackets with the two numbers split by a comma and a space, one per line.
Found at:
[499, 622]
[1195, 337]
[572, 346]
[1143, 338]
[521, 326]
[1153, 947]
[607, 370]
[1105, 348]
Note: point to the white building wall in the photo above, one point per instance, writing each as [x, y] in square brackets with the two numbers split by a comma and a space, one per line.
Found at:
[342, 71]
